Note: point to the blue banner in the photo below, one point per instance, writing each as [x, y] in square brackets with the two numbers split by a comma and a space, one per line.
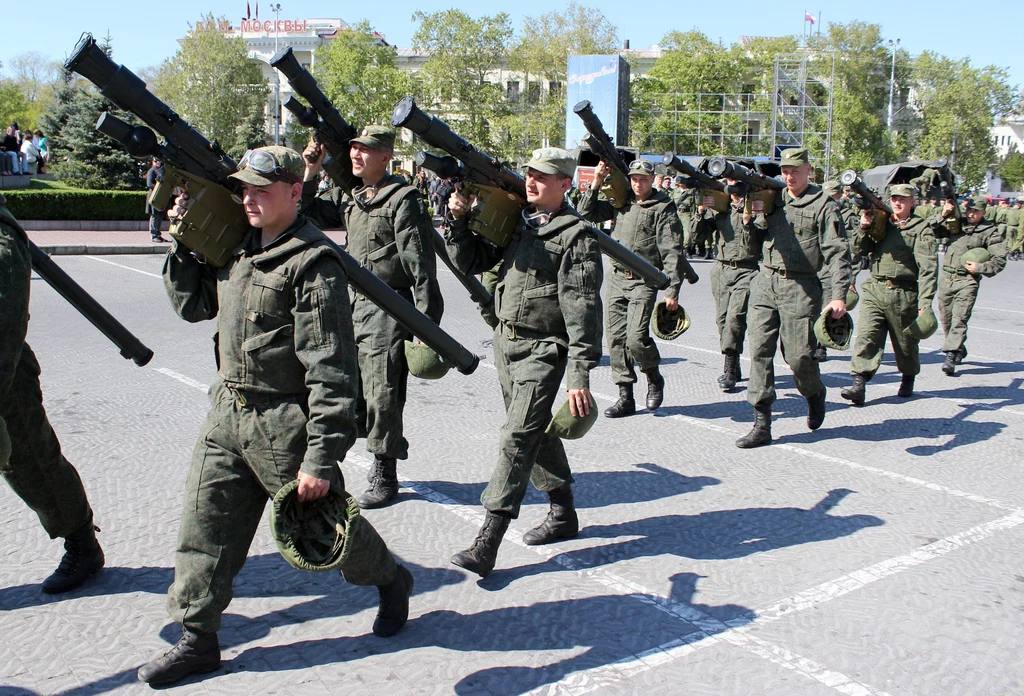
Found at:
[604, 81]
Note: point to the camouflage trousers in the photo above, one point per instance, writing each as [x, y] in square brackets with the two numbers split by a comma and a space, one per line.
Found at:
[885, 309]
[628, 327]
[731, 288]
[249, 446]
[383, 375]
[530, 371]
[782, 310]
[30, 458]
[957, 295]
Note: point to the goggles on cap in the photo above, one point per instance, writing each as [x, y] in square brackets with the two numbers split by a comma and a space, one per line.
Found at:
[265, 164]
[641, 166]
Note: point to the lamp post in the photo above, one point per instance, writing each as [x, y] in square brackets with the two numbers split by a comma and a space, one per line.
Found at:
[276, 8]
[893, 45]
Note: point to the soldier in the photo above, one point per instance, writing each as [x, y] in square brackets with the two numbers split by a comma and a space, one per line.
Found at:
[738, 238]
[904, 274]
[391, 233]
[283, 407]
[850, 220]
[684, 195]
[804, 232]
[647, 225]
[30, 457]
[548, 301]
[958, 287]
[1016, 240]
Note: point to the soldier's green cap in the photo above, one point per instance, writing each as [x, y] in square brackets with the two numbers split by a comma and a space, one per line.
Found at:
[831, 187]
[313, 535]
[977, 202]
[907, 190]
[976, 255]
[794, 157]
[566, 426]
[852, 298]
[923, 326]
[668, 324]
[552, 160]
[834, 333]
[376, 138]
[423, 362]
[265, 165]
[641, 167]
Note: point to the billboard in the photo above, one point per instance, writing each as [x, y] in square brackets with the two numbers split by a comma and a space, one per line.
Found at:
[604, 81]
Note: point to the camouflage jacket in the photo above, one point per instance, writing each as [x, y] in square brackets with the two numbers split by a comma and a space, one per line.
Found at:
[650, 229]
[807, 234]
[737, 243]
[15, 275]
[984, 234]
[549, 283]
[284, 327]
[907, 254]
[325, 210]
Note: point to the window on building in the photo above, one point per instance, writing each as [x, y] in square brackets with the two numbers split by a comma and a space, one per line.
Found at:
[512, 90]
[533, 93]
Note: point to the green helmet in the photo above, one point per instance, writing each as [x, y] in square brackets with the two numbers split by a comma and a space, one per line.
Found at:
[977, 255]
[423, 362]
[313, 535]
[852, 298]
[566, 426]
[668, 324]
[834, 333]
[923, 326]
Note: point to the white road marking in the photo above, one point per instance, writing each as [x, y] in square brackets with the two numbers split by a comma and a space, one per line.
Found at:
[999, 309]
[188, 381]
[983, 328]
[127, 268]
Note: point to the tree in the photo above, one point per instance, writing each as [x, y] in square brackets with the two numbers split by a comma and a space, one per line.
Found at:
[14, 105]
[692, 63]
[357, 71]
[28, 92]
[211, 83]
[463, 51]
[1011, 171]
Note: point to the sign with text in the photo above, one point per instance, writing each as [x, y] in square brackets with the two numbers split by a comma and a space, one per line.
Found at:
[604, 81]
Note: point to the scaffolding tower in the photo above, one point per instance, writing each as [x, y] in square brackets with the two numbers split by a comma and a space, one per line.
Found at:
[802, 105]
[708, 124]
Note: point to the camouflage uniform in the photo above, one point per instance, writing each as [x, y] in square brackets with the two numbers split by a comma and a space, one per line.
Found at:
[30, 457]
[650, 229]
[686, 200]
[739, 249]
[284, 404]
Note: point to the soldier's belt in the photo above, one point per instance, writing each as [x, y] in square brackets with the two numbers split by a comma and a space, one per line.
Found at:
[894, 283]
[749, 265]
[514, 333]
[787, 274]
[956, 271]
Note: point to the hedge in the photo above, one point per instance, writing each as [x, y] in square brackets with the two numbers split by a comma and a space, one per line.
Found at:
[76, 204]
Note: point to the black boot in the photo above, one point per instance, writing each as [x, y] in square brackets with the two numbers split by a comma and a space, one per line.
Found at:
[82, 557]
[195, 653]
[625, 405]
[730, 372]
[906, 387]
[737, 375]
[949, 367]
[820, 354]
[816, 410]
[761, 433]
[560, 523]
[480, 557]
[855, 392]
[383, 478]
[655, 389]
[961, 354]
[394, 603]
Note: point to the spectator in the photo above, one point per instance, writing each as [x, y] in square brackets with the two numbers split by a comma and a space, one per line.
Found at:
[11, 153]
[30, 153]
[153, 177]
[44, 151]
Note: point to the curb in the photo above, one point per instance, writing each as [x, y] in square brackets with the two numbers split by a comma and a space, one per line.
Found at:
[103, 249]
[86, 225]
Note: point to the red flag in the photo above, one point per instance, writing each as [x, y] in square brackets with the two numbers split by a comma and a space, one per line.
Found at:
[808, 17]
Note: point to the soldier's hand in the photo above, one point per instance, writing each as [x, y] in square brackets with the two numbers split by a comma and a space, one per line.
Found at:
[947, 209]
[971, 267]
[313, 155]
[580, 402]
[747, 217]
[700, 209]
[838, 308]
[866, 219]
[671, 304]
[601, 173]
[181, 204]
[312, 488]
[459, 204]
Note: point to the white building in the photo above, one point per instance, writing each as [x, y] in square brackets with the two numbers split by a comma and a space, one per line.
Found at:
[1008, 137]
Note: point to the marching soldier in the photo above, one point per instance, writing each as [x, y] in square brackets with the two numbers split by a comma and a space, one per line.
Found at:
[804, 233]
[548, 302]
[30, 457]
[850, 220]
[283, 408]
[647, 225]
[391, 233]
[958, 287]
[904, 275]
[684, 195]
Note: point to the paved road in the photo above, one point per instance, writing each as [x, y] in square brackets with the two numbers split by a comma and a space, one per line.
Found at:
[880, 554]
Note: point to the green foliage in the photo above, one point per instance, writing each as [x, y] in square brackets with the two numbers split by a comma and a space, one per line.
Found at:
[14, 105]
[213, 85]
[249, 134]
[693, 63]
[357, 71]
[76, 204]
[1011, 171]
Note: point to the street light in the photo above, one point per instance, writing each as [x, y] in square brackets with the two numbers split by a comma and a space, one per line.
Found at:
[276, 9]
[893, 45]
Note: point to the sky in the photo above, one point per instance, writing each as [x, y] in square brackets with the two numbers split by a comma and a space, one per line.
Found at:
[146, 33]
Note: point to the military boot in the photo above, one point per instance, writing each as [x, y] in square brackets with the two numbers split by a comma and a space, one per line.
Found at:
[856, 391]
[949, 367]
[82, 557]
[655, 389]
[730, 372]
[906, 387]
[394, 603]
[761, 433]
[383, 478]
[816, 410]
[625, 405]
[480, 557]
[961, 354]
[195, 653]
[561, 521]
[820, 354]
